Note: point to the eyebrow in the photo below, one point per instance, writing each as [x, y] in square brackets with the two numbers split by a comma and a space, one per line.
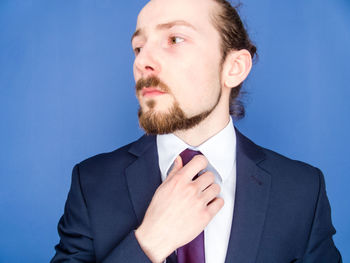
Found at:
[165, 26]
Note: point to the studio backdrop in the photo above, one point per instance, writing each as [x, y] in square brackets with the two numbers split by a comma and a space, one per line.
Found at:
[67, 93]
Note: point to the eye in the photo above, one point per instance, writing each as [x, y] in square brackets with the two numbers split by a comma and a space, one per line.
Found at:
[137, 50]
[175, 40]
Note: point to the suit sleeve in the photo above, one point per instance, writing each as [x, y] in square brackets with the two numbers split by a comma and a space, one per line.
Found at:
[320, 246]
[76, 238]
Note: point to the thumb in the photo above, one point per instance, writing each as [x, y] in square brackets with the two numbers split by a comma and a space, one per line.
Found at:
[177, 166]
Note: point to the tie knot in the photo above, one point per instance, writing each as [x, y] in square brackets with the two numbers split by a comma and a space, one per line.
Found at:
[187, 155]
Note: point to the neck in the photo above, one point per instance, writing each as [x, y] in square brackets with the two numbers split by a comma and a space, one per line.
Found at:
[210, 126]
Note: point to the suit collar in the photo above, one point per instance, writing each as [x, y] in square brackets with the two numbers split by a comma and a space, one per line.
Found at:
[248, 148]
[251, 201]
[143, 177]
[142, 144]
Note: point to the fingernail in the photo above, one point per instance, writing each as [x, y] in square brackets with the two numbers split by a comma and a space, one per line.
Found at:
[177, 160]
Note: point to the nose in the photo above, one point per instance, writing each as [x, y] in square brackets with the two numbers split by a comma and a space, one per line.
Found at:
[146, 62]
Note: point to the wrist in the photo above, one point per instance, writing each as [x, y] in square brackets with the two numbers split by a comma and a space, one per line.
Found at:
[153, 246]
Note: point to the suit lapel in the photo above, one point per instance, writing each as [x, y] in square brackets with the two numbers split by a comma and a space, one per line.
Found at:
[251, 200]
[143, 177]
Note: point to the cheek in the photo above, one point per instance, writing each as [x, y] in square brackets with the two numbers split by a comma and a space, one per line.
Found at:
[198, 89]
[135, 72]
[205, 80]
[202, 68]
[194, 79]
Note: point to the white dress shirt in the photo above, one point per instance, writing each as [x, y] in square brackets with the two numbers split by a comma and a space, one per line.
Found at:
[220, 150]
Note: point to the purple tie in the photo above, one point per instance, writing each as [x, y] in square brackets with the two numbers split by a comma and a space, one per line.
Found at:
[192, 252]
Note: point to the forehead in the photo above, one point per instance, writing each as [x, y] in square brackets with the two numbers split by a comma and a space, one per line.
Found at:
[196, 12]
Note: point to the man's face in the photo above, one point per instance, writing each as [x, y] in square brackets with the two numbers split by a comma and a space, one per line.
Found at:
[177, 52]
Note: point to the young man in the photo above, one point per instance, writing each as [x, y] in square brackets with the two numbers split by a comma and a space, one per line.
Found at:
[194, 189]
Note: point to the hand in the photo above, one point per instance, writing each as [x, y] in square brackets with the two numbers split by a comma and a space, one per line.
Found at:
[180, 209]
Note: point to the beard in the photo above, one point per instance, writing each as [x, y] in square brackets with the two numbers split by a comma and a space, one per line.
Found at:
[153, 122]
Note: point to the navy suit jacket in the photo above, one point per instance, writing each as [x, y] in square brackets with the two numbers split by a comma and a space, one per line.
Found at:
[281, 213]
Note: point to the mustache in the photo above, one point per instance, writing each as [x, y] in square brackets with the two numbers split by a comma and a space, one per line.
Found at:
[151, 81]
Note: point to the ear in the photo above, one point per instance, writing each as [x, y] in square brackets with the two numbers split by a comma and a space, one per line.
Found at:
[236, 68]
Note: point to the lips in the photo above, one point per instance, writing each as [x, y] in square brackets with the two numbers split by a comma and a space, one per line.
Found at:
[151, 92]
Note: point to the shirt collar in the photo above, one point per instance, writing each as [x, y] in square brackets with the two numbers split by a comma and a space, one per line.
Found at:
[220, 150]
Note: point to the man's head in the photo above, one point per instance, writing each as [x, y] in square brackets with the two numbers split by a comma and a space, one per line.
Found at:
[188, 50]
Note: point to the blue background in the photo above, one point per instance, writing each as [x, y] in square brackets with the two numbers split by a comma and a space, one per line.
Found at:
[67, 93]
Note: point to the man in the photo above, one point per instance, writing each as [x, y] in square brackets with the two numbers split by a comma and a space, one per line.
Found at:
[194, 189]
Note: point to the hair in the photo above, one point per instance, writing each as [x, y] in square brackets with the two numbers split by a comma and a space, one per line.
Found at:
[234, 36]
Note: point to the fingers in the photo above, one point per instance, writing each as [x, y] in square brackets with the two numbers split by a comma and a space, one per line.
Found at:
[214, 206]
[177, 166]
[193, 167]
[210, 193]
[207, 188]
[204, 180]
